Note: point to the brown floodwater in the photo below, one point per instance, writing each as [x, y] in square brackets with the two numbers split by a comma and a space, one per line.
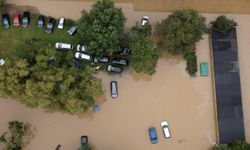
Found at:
[122, 124]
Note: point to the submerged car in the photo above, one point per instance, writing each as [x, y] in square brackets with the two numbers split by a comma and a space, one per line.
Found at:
[120, 61]
[81, 48]
[26, 19]
[114, 69]
[72, 30]
[153, 135]
[144, 20]
[61, 23]
[113, 89]
[125, 52]
[83, 56]
[49, 28]
[63, 46]
[103, 59]
[17, 22]
[6, 20]
[41, 22]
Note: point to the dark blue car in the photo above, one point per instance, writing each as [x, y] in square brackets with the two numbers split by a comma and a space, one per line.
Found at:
[153, 135]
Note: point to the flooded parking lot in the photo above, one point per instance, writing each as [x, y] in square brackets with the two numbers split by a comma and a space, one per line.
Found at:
[186, 103]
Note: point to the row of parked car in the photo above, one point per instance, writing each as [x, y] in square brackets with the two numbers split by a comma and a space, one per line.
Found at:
[116, 63]
[153, 134]
[24, 21]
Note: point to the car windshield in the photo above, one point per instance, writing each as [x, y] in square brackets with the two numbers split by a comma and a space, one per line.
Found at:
[25, 20]
[49, 25]
[16, 20]
[5, 21]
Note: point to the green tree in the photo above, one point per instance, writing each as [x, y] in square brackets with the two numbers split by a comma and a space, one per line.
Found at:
[223, 24]
[2, 138]
[85, 147]
[16, 132]
[191, 60]
[101, 27]
[2, 3]
[48, 79]
[144, 54]
[181, 31]
[238, 145]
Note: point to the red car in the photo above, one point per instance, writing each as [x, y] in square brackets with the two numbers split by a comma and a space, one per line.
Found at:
[17, 20]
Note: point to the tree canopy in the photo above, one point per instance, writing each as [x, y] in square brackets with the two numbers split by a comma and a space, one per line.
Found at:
[101, 27]
[144, 53]
[49, 79]
[238, 145]
[223, 24]
[2, 3]
[181, 31]
[15, 136]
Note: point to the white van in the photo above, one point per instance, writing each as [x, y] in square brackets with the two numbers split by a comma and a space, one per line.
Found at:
[165, 129]
[83, 56]
[61, 23]
[63, 46]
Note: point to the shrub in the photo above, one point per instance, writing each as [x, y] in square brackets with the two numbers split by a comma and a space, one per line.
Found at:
[191, 63]
[223, 24]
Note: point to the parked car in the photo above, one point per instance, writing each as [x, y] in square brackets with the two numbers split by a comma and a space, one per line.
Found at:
[114, 69]
[63, 46]
[114, 89]
[72, 30]
[103, 59]
[83, 56]
[41, 22]
[50, 24]
[17, 22]
[120, 61]
[165, 129]
[2, 62]
[6, 20]
[26, 19]
[81, 48]
[125, 52]
[153, 135]
[61, 23]
[144, 20]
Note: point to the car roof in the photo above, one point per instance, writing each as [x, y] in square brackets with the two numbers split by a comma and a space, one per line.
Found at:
[152, 132]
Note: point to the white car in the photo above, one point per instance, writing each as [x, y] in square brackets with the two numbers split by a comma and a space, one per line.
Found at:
[61, 23]
[165, 129]
[81, 48]
[144, 20]
[63, 46]
[83, 56]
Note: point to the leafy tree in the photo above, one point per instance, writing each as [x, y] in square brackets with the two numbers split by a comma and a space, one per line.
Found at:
[101, 27]
[86, 147]
[2, 3]
[16, 132]
[2, 138]
[191, 63]
[144, 54]
[49, 79]
[223, 24]
[238, 145]
[181, 31]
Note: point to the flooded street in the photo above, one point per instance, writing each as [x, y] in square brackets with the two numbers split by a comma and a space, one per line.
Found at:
[122, 124]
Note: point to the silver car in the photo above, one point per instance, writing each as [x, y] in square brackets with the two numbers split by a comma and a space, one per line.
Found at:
[72, 30]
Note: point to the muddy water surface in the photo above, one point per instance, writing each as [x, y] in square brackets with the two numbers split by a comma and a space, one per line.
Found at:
[122, 124]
